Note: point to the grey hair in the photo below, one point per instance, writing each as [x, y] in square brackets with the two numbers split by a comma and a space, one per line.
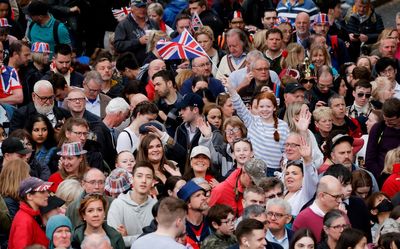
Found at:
[117, 105]
[93, 75]
[254, 54]
[253, 210]
[253, 64]
[93, 241]
[331, 216]
[280, 202]
[334, 96]
[42, 84]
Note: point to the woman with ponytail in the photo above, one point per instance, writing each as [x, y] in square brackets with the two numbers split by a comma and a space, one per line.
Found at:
[266, 132]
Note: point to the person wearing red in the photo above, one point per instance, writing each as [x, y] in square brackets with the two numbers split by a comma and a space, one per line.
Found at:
[392, 184]
[28, 228]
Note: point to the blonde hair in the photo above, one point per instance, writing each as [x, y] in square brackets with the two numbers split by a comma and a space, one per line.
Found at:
[324, 51]
[11, 175]
[69, 190]
[259, 40]
[154, 37]
[385, 34]
[378, 85]
[182, 76]
[292, 60]
[392, 157]
[322, 112]
[205, 30]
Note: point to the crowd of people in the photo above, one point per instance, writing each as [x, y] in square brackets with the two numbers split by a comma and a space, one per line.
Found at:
[283, 132]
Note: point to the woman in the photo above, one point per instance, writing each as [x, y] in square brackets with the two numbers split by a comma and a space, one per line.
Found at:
[199, 82]
[58, 231]
[352, 239]
[72, 164]
[320, 56]
[200, 165]
[27, 227]
[391, 159]
[42, 133]
[364, 61]
[37, 169]
[284, 25]
[334, 224]
[205, 37]
[125, 160]
[303, 239]
[152, 150]
[382, 89]
[213, 114]
[173, 185]
[270, 145]
[294, 58]
[69, 190]
[361, 184]
[40, 52]
[152, 52]
[92, 212]
[380, 206]
[155, 12]
[339, 86]
[323, 125]
[224, 100]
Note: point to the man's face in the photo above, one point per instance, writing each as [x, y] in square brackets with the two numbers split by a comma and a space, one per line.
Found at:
[24, 56]
[274, 42]
[160, 87]
[297, 96]
[338, 107]
[261, 70]
[63, 63]
[198, 201]
[361, 96]
[61, 94]
[187, 114]
[269, 19]
[252, 198]
[76, 102]
[302, 24]
[334, 196]
[393, 122]
[105, 70]
[343, 154]
[325, 82]
[237, 23]
[201, 66]
[361, 7]
[140, 13]
[196, 8]
[389, 73]
[256, 240]
[292, 146]
[235, 46]
[155, 67]
[142, 180]
[43, 100]
[277, 218]
[78, 133]
[182, 24]
[276, 192]
[3, 10]
[94, 182]
[91, 89]
[321, 29]
[388, 48]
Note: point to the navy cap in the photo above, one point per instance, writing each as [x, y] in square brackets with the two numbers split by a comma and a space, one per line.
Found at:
[293, 87]
[191, 99]
[188, 190]
[14, 145]
[138, 3]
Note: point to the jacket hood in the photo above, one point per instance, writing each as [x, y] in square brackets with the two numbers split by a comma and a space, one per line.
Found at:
[126, 198]
[55, 222]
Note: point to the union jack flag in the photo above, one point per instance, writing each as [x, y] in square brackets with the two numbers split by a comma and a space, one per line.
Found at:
[120, 14]
[195, 23]
[183, 46]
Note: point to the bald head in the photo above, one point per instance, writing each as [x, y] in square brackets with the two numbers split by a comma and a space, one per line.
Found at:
[93, 181]
[135, 99]
[329, 193]
[327, 183]
[302, 24]
[156, 66]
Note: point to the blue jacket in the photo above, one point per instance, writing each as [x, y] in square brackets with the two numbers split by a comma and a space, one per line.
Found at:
[214, 85]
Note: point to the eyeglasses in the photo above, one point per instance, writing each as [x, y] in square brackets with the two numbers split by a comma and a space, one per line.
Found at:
[232, 131]
[342, 226]
[336, 197]
[271, 214]
[92, 90]
[291, 145]
[306, 81]
[262, 69]
[45, 99]
[229, 221]
[80, 133]
[361, 95]
[203, 65]
[76, 99]
[247, 140]
[94, 182]
[275, 195]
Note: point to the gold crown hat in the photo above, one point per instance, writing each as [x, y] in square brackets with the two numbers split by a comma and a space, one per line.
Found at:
[307, 69]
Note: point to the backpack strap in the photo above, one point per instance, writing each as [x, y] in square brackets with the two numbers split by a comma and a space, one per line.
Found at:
[129, 135]
[335, 44]
[55, 32]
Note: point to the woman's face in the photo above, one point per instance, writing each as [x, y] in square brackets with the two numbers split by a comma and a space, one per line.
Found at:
[40, 199]
[62, 237]
[214, 117]
[155, 151]
[265, 108]
[205, 42]
[336, 228]
[242, 152]
[232, 133]
[387, 92]
[39, 132]
[293, 178]
[154, 16]
[318, 58]
[324, 124]
[179, 184]
[363, 192]
[372, 119]
[362, 244]
[71, 164]
[304, 243]
[363, 62]
[94, 214]
[395, 36]
[227, 109]
[342, 88]
[45, 59]
[200, 163]
[308, 83]
[287, 33]
[126, 160]
[349, 73]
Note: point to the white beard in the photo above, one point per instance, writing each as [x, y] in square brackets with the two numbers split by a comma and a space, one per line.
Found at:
[43, 109]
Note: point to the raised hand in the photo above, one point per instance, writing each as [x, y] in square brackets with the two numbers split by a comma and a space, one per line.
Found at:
[155, 130]
[227, 84]
[204, 127]
[304, 119]
[305, 150]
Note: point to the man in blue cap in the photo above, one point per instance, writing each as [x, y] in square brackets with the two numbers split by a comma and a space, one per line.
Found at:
[197, 228]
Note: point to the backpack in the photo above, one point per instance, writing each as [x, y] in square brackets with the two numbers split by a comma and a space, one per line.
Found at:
[55, 31]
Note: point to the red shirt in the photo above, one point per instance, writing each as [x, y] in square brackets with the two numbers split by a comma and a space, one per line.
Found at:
[56, 179]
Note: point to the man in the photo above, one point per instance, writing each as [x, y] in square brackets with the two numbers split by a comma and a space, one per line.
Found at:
[387, 67]
[302, 33]
[12, 148]
[291, 8]
[130, 212]
[340, 121]
[110, 87]
[250, 234]
[253, 196]
[207, 17]
[182, 22]
[171, 215]
[62, 64]
[293, 93]
[387, 48]
[11, 90]
[96, 101]
[337, 24]
[273, 188]
[278, 216]
[43, 103]
[321, 92]
[197, 227]
[154, 67]
[45, 28]
[383, 137]
[60, 88]
[230, 191]
[167, 97]
[201, 66]
[329, 196]
[93, 182]
[268, 20]
[130, 34]
[20, 55]
[75, 103]
[96, 241]
[238, 46]
[273, 53]
[128, 66]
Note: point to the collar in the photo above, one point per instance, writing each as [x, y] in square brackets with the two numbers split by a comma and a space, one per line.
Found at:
[279, 55]
[94, 102]
[270, 236]
[317, 210]
[239, 57]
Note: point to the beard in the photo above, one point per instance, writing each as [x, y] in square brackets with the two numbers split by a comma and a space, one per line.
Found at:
[43, 109]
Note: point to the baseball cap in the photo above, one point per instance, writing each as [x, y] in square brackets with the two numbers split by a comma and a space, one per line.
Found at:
[53, 202]
[14, 145]
[188, 190]
[138, 3]
[340, 138]
[256, 169]
[293, 87]
[191, 99]
[200, 150]
[33, 184]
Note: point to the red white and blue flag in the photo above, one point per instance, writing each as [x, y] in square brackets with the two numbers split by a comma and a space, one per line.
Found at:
[120, 14]
[195, 23]
[183, 46]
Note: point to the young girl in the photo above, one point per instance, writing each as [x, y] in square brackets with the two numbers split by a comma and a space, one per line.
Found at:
[267, 133]
[125, 160]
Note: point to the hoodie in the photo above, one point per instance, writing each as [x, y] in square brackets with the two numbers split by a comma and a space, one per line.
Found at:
[124, 211]
[55, 222]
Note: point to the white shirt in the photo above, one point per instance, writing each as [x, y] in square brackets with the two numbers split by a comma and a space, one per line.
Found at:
[397, 90]
[284, 242]
[93, 107]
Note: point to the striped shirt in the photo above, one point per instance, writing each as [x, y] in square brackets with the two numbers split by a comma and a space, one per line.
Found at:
[261, 134]
[286, 9]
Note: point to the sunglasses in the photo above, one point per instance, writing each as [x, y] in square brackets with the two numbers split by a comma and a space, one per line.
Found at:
[305, 81]
[367, 95]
